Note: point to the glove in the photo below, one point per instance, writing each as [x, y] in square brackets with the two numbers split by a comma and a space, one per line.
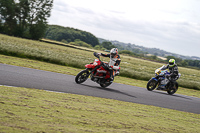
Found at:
[105, 64]
[99, 53]
[167, 76]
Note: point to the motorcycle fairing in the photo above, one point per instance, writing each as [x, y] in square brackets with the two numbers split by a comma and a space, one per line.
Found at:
[89, 66]
[155, 79]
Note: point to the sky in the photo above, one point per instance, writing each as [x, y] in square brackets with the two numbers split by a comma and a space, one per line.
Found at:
[170, 25]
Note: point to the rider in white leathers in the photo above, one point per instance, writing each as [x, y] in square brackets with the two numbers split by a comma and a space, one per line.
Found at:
[114, 62]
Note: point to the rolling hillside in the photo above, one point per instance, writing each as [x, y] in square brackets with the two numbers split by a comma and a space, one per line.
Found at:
[67, 35]
[153, 51]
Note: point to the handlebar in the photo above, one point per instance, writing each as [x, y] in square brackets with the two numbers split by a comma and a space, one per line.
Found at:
[104, 64]
[96, 55]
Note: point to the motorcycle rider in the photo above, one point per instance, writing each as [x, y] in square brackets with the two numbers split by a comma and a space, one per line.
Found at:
[113, 63]
[173, 68]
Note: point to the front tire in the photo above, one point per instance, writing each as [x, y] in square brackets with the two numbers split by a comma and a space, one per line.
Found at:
[81, 76]
[173, 90]
[151, 85]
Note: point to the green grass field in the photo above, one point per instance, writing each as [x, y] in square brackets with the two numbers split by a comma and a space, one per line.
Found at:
[32, 110]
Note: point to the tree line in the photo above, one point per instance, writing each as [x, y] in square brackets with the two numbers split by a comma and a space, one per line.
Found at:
[25, 18]
[67, 35]
[76, 37]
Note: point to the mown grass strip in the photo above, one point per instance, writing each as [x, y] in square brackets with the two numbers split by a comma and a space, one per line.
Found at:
[31, 110]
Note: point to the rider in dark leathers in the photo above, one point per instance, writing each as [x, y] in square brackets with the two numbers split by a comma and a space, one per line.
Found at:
[173, 68]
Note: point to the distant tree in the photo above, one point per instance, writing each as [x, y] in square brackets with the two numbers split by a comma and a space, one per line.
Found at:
[170, 57]
[59, 33]
[81, 43]
[107, 45]
[154, 57]
[24, 18]
[7, 16]
[22, 13]
[40, 11]
[37, 30]
[126, 52]
[135, 50]
[156, 54]
[183, 63]
[193, 63]
[64, 41]
[98, 47]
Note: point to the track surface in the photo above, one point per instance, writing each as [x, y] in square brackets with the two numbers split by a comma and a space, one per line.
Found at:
[32, 78]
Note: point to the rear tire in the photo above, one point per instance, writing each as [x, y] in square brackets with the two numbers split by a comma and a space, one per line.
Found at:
[81, 76]
[104, 85]
[173, 90]
[151, 85]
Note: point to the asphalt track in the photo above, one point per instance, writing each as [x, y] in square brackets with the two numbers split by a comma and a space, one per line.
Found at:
[38, 79]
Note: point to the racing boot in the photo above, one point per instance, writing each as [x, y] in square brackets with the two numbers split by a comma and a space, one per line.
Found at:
[111, 78]
[117, 73]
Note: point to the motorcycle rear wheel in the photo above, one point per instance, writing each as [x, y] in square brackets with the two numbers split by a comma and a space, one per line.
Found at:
[104, 85]
[173, 90]
[151, 85]
[81, 76]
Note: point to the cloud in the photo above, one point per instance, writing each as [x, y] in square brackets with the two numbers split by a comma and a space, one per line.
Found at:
[170, 30]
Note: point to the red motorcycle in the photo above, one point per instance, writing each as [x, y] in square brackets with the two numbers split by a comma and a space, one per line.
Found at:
[98, 71]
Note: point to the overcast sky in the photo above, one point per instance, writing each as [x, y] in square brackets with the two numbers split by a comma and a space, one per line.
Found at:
[170, 25]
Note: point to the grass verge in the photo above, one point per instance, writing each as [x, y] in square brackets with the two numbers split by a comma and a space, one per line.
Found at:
[31, 110]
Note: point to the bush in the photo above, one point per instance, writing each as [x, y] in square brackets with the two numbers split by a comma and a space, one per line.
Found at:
[80, 43]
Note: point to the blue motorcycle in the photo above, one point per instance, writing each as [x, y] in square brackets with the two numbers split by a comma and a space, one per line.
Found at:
[162, 82]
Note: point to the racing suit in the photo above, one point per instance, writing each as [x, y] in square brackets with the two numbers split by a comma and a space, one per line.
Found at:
[173, 73]
[114, 63]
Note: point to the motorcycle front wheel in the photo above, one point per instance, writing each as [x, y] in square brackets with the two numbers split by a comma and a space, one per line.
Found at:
[81, 76]
[151, 85]
[173, 90]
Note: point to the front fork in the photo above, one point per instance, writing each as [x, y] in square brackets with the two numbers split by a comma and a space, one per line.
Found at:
[157, 81]
[92, 70]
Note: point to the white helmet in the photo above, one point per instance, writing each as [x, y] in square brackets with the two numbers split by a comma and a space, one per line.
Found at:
[113, 52]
